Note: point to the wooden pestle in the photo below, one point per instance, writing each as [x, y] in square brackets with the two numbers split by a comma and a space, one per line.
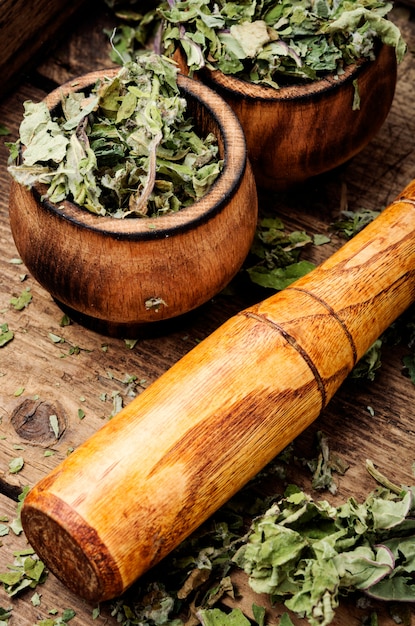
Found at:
[132, 492]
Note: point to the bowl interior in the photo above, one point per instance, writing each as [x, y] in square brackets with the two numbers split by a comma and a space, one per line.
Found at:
[210, 114]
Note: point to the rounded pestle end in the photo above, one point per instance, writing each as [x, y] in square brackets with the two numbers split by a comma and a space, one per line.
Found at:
[70, 548]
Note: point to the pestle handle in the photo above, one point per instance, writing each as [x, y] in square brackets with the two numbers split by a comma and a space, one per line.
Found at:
[147, 479]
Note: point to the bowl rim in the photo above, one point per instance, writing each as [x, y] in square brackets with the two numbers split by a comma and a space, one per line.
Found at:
[298, 91]
[172, 224]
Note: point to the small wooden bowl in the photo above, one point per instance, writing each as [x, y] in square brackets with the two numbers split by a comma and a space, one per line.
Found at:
[300, 131]
[114, 275]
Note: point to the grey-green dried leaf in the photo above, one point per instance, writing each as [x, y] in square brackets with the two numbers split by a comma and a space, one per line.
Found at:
[280, 277]
[4, 530]
[56, 338]
[106, 151]
[273, 41]
[21, 302]
[54, 424]
[320, 239]
[16, 465]
[6, 335]
[216, 617]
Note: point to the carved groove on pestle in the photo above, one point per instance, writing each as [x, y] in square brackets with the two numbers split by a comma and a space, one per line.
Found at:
[334, 315]
[294, 343]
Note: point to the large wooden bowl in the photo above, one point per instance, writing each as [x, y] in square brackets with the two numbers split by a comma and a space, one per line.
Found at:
[116, 275]
[300, 131]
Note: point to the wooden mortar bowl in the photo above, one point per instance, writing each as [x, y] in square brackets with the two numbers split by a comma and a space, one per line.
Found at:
[109, 274]
[300, 131]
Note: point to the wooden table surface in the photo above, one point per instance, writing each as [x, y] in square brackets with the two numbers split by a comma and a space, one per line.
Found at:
[84, 378]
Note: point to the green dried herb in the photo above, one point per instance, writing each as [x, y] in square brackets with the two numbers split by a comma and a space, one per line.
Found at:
[126, 149]
[370, 362]
[409, 363]
[54, 425]
[26, 572]
[21, 302]
[353, 222]
[5, 615]
[16, 524]
[271, 42]
[16, 465]
[6, 335]
[216, 617]
[65, 618]
[324, 465]
[4, 530]
[310, 552]
[274, 262]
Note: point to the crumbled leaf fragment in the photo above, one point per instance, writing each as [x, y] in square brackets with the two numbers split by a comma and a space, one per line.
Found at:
[96, 612]
[5, 615]
[408, 361]
[65, 321]
[16, 525]
[216, 617]
[16, 465]
[54, 425]
[35, 599]
[369, 363]
[56, 338]
[26, 572]
[279, 278]
[275, 255]
[21, 302]
[320, 239]
[68, 614]
[381, 479]
[130, 343]
[6, 335]
[353, 222]
[4, 530]
[259, 614]
[325, 465]
[117, 403]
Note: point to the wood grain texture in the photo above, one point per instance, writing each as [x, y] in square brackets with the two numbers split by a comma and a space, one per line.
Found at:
[26, 28]
[218, 416]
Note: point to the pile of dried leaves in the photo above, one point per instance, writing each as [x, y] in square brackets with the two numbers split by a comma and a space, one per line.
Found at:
[270, 42]
[310, 553]
[127, 148]
[300, 551]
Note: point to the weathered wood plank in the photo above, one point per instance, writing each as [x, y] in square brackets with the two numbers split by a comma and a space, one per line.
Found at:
[88, 381]
[85, 50]
[28, 30]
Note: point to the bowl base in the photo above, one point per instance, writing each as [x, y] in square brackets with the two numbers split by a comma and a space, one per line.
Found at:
[119, 330]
